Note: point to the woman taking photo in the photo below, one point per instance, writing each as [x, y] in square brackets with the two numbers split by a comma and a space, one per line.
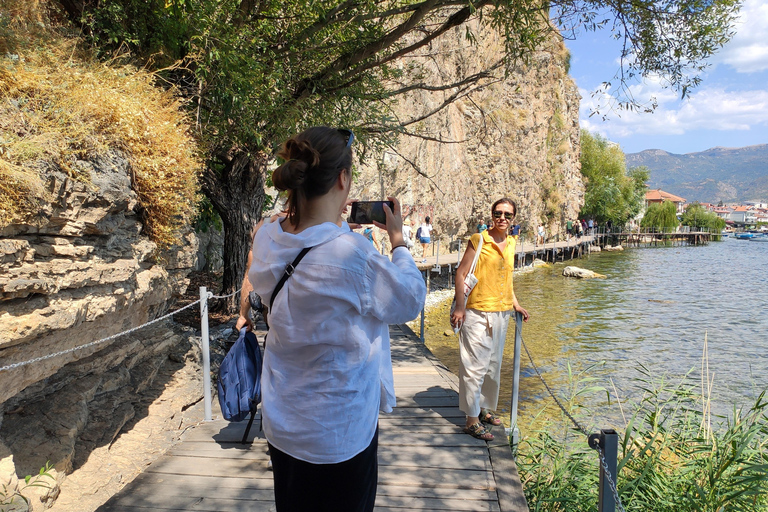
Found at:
[327, 366]
[483, 320]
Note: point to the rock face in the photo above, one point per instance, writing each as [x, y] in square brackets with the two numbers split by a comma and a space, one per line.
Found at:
[613, 248]
[581, 273]
[518, 137]
[78, 272]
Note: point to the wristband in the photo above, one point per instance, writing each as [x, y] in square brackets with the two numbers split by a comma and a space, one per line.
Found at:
[395, 247]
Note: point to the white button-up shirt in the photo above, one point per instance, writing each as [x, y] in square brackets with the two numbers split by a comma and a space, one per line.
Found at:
[327, 365]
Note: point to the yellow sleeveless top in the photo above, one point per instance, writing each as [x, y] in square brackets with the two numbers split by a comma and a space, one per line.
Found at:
[493, 291]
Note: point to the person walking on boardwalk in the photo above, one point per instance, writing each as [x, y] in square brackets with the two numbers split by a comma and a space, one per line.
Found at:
[424, 233]
[327, 364]
[483, 320]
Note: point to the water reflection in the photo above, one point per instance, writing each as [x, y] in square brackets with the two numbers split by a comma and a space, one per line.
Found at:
[654, 308]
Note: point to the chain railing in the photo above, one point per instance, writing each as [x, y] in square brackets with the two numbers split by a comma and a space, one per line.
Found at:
[605, 443]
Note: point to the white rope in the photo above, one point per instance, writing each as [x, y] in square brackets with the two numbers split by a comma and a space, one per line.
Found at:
[211, 296]
[91, 344]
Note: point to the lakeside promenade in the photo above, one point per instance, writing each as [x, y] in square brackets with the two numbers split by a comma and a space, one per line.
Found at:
[425, 461]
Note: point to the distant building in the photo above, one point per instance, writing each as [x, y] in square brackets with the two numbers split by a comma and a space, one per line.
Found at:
[659, 196]
[743, 215]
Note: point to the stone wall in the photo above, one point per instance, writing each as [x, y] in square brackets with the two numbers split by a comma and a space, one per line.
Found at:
[518, 137]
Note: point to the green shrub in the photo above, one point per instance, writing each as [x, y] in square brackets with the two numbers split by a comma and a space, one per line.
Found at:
[673, 456]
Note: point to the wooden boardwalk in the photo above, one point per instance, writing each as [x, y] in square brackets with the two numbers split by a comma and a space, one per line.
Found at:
[425, 461]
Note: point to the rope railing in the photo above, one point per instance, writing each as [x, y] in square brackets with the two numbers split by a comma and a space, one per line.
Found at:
[20, 364]
[595, 441]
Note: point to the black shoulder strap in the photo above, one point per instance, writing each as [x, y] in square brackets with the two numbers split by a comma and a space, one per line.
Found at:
[289, 268]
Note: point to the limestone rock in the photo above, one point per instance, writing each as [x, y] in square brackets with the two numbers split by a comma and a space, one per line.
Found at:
[595, 248]
[518, 138]
[581, 273]
[614, 248]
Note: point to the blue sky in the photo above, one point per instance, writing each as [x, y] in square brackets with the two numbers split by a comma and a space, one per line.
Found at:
[729, 108]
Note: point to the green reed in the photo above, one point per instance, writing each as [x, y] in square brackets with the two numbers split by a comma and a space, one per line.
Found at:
[674, 454]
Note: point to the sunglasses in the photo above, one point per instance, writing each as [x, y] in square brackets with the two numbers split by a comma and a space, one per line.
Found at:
[497, 215]
[348, 136]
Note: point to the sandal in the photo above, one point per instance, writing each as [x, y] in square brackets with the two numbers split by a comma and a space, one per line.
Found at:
[477, 430]
[489, 418]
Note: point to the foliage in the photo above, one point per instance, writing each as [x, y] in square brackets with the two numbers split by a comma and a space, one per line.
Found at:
[660, 215]
[61, 107]
[612, 194]
[670, 460]
[697, 217]
[256, 72]
[9, 495]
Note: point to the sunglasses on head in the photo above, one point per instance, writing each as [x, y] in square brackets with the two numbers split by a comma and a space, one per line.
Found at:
[497, 215]
[348, 136]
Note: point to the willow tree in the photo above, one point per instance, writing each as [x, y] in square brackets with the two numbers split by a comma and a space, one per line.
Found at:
[255, 71]
[661, 215]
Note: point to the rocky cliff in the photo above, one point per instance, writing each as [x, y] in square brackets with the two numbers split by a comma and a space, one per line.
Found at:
[516, 137]
[77, 272]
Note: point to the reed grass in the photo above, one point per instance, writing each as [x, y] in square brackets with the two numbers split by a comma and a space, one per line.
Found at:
[675, 455]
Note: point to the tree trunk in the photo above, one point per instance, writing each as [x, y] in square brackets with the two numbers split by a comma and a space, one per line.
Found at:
[236, 191]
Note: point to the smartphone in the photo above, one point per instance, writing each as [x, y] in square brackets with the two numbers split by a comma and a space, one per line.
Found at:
[365, 212]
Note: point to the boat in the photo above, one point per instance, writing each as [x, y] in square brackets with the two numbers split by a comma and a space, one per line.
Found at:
[744, 236]
[759, 238]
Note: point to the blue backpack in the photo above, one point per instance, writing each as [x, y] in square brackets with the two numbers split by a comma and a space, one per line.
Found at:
[239, 380]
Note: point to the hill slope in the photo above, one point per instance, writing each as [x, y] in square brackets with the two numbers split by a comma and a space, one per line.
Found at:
[717, 174]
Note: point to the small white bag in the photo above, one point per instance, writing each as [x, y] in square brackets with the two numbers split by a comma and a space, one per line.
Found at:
[471, 280]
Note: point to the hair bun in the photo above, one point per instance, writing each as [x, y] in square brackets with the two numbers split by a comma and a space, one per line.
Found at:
[302, 150]
[290, 175]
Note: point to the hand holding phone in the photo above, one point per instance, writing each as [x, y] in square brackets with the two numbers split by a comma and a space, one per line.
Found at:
[366, 212]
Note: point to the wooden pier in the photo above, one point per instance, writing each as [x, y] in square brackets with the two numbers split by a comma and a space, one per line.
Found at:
[425, 461]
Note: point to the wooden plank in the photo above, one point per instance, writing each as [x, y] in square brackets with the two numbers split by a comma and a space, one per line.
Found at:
[428, 492]
[223, 468]
[437, 478]
[510, 488]
[436, 457]
[413, 503]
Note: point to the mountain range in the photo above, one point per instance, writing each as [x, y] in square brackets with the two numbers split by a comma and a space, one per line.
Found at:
[717, 174]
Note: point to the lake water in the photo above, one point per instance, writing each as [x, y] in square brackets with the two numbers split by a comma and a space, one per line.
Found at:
[655, 308]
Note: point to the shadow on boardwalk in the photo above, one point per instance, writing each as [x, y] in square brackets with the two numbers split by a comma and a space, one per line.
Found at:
[425, 461]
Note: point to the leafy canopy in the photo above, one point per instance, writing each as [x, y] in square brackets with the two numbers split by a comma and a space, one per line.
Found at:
[258, 71]
[696, 216]
[612, 194]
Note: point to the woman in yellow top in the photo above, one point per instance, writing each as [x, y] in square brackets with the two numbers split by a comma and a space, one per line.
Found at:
[483, 320]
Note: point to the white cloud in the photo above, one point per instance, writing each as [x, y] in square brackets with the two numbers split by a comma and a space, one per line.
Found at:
[713, 108]
[747, 52]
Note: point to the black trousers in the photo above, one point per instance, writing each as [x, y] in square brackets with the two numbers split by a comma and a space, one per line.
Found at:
[348, 486]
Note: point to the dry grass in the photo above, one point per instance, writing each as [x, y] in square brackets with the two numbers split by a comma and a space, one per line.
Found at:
[58, 105]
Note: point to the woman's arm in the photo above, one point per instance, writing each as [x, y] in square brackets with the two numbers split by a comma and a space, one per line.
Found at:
[457, 318]
[517, 307]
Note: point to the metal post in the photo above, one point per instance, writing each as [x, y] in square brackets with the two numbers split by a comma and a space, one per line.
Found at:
[206, 353]
[421, 330]
[608, 442]
[515, 432]
[437, 260]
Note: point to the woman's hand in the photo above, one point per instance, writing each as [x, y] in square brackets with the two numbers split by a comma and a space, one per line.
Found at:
[394, 224]
[520, 309]
[458, 316]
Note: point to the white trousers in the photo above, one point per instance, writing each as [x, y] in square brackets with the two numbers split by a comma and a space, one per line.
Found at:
[481, 347]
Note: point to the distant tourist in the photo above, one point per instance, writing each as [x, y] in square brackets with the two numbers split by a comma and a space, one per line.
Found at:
[407, 234]
[516, 230]
[483, 320]
[327, 367]
[541, 235]
[569, 228]
[424, 234]
[482, 226]
[591, 226]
